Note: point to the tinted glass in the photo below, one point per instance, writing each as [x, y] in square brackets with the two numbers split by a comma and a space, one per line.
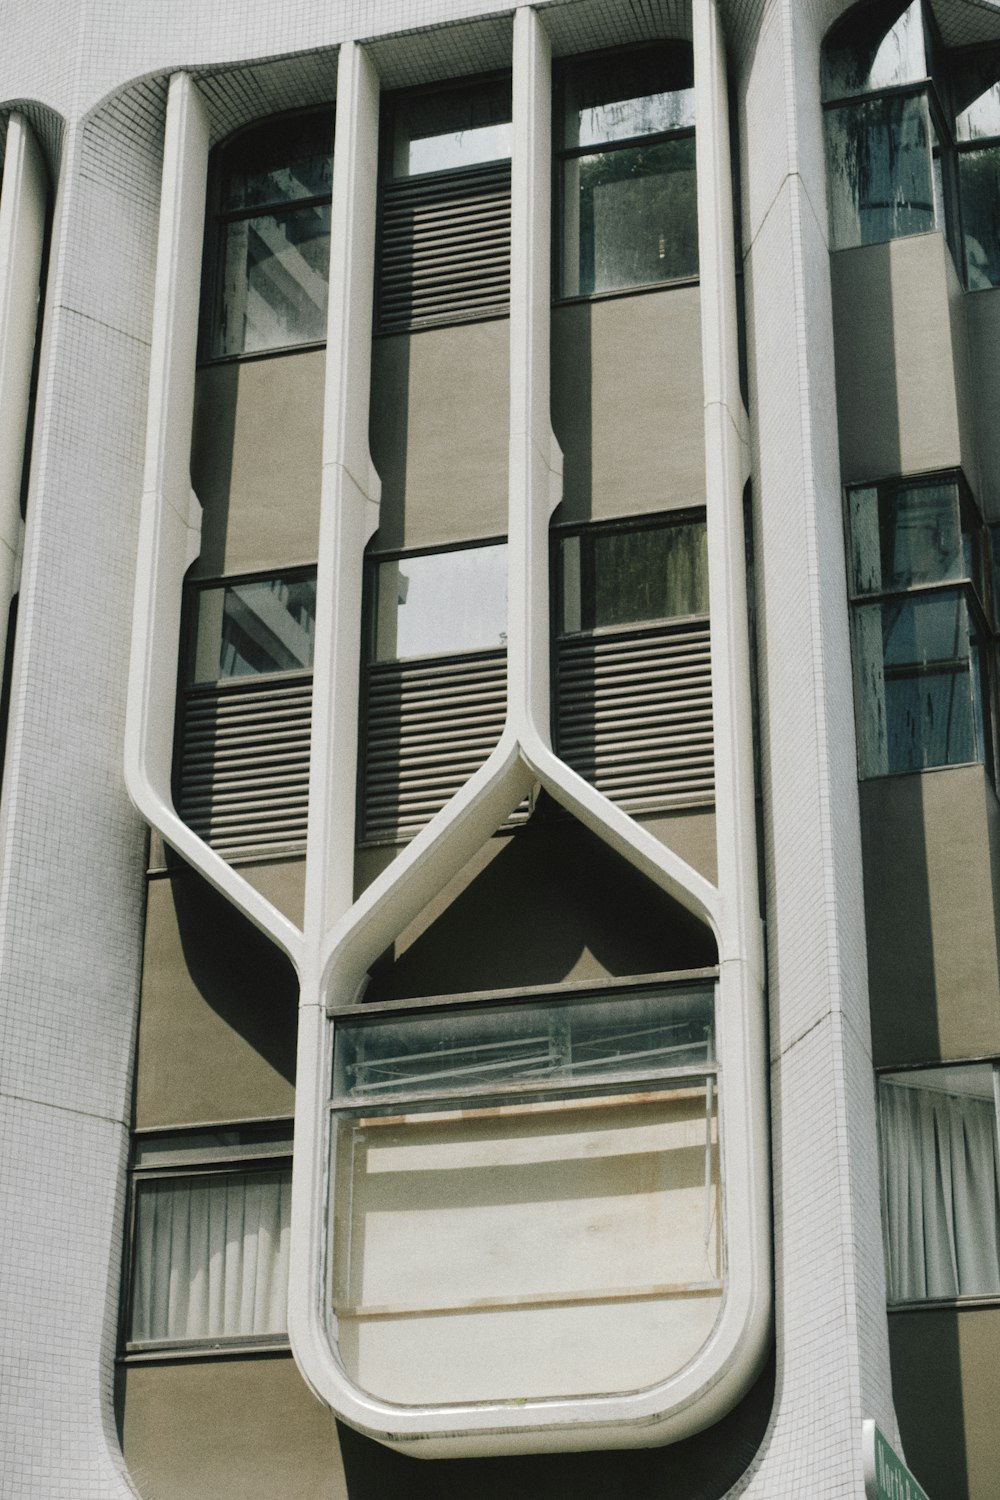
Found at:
[279, 162]
[460, 128]
[976, 93]
[883, 176]
[630, 576]
[876, 47]
[920, 691]
[630, 217]
[979, 179]
[274, 290]
[634, 94]
[266, 625]
[906, 535]
[439, 602]
[495, 1046]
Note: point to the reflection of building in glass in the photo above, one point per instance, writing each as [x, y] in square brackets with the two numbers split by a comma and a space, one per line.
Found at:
[536, 1024]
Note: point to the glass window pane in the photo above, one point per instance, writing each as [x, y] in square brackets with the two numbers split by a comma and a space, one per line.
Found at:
[976, 95]
[919, 688]
[630, 576]
[211, 1256]
[275, 271]
[881, 172]
[440, 602]
[941, 1182]
[876, 47]
[634, 94]
[461, 128]
[279, 162]
[266, 625]
[905, 535]
[630, 217]
[979, 182]
[492, 1047]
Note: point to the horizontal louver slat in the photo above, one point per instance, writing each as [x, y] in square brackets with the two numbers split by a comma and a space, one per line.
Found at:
[429, 726]
[445, 247]
[243, 780]
[634, 714]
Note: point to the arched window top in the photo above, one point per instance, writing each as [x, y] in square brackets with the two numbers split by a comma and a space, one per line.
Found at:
[278, 161]
[875, 47]
[979, 118]
[628, 94]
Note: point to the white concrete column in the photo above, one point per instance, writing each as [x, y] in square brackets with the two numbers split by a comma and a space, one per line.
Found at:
[170, 520]
[349, 498]
[23, 199]
[829, 1272]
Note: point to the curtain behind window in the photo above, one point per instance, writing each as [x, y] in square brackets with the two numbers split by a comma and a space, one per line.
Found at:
[941, 1190]
[211, 1256]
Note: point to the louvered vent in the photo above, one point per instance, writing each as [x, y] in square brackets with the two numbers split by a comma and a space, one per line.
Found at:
[445, 248]
[428, 726]
[244, 769]
[634, 714]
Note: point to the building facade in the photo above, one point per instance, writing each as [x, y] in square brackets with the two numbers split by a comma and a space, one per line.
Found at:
[500, 916]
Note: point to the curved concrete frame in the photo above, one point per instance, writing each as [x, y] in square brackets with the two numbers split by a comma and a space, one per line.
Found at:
[341, 937]
[23, 200]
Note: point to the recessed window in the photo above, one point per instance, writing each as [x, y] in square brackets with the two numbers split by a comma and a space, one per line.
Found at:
[212, 1215]
[551, 1166]
[438, 603]
[921, 642]
[627, 575]
[444, 206]
[977, 128]
[270, 251]
[254, 627]
[626, 170]
[941, 1182]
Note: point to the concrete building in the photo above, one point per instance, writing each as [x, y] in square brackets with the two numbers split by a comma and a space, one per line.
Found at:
[499, 840]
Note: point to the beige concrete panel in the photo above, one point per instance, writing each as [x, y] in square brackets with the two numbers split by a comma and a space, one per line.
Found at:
[896, 359]
[243, 1429]
[617, 367]
[217, 1019]
[931, 847]
[256, 461]
[282, 882]
[690, 832]
[982, 310]
[946, 1385]
[546, 905]
[439, 422]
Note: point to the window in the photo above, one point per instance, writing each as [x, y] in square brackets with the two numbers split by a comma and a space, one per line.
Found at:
[243, 762]
[435, 681]
[885, 131]
[268, 266]
[633, 683]
[549, 1162]
[921, 657]
[626, 170]
[210, 1233]
[444, 222]
[941, 1182]
[977, 127]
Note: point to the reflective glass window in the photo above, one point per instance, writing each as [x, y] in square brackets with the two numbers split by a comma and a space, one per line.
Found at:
[979, 180]
[883, 170]
[260, 626]
[464, 127]
[905, 535]
[272, 250]
[628, 575]
[920, 689]
[436, 603]
[627, 172]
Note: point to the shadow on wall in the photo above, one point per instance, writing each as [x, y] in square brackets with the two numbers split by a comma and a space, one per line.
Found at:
[239, 972]
[552, 903]
[702, 1467]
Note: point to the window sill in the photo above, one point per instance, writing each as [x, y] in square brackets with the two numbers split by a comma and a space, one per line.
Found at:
[615, 293]
[218, 1349]
[249, 356]
[939, 1304]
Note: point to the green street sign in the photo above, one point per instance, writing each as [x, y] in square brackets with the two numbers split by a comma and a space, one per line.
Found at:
[886, 1475]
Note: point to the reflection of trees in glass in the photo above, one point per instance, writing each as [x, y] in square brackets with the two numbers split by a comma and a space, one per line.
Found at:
[979, 177]
[638, 215]
[881, 170]
[630, 576]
